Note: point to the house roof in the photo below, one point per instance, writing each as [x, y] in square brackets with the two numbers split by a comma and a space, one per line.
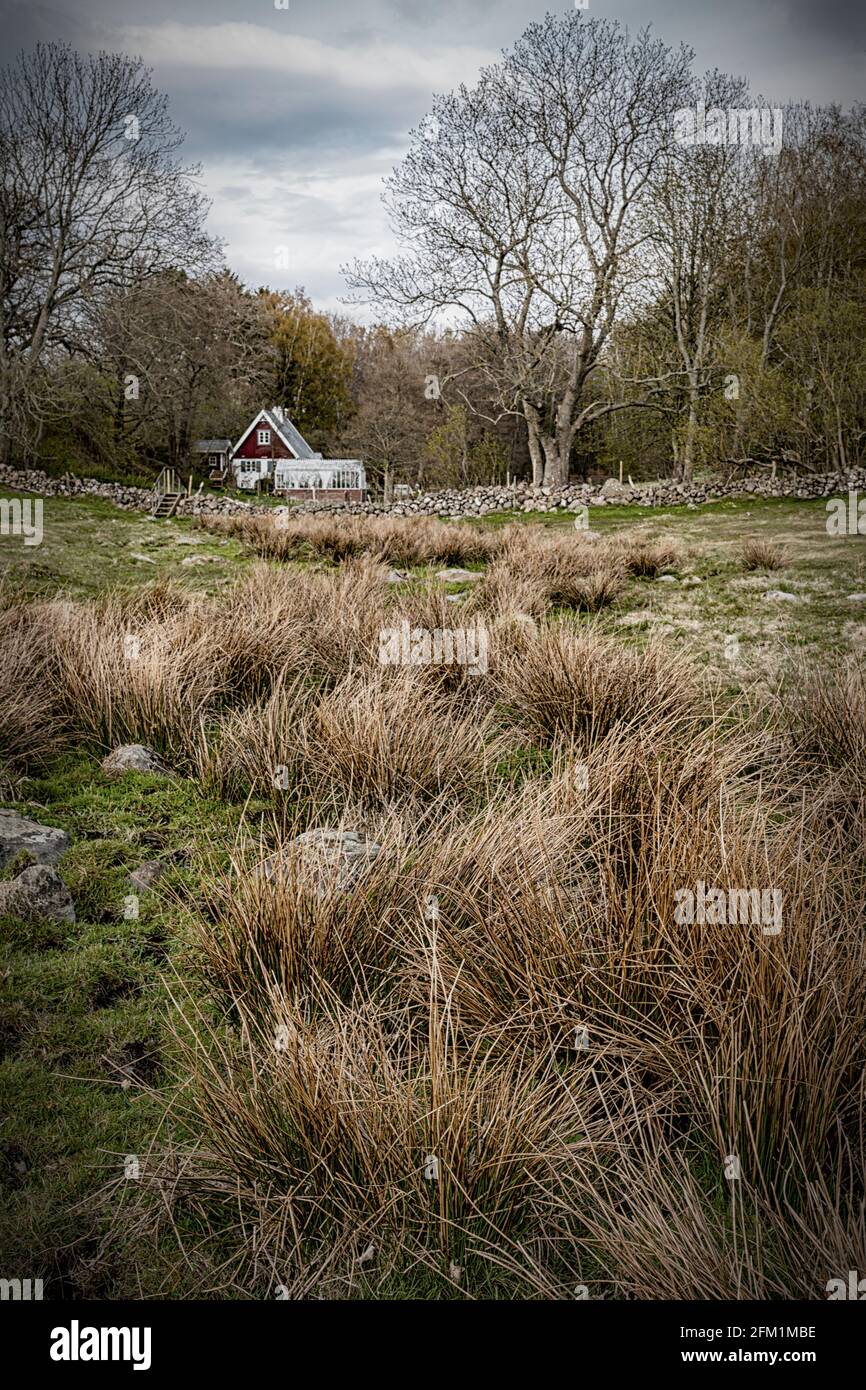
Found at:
[212, 446]
[292, 436]
[284, 430]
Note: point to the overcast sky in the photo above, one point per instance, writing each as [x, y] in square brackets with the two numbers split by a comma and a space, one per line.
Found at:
[297, 114]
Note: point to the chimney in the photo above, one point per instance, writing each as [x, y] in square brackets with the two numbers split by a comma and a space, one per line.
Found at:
[277, 412]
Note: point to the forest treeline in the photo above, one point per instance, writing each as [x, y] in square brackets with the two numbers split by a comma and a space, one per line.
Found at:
[611, 293]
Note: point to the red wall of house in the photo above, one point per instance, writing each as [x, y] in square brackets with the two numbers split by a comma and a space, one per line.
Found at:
[251, 450]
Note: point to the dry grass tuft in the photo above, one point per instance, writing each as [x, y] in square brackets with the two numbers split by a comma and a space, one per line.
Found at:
[761, 553]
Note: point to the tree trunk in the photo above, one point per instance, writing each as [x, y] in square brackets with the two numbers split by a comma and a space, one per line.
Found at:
[688, 457]
[120, 412]
[555, 463]
[675, 454]
[535, 454]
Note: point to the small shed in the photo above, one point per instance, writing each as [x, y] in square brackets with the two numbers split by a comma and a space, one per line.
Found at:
[218, 453]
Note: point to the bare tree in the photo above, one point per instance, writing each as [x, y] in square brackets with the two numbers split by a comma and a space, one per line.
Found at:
[92, 197]
[181, 354]
[517, 207]
[695, 217]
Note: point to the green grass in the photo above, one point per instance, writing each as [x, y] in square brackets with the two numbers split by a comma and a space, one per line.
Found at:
[90, 546]
[87, 1069]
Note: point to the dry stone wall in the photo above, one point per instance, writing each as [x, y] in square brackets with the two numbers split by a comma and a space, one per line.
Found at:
[463, 502]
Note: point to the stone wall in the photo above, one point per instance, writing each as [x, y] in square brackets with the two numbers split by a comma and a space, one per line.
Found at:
[479, 501]
[466, 502]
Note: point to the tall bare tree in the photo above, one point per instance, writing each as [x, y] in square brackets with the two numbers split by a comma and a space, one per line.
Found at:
[92, 197]
[516, 206]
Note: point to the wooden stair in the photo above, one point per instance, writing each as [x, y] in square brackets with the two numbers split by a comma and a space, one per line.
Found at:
[166, 504]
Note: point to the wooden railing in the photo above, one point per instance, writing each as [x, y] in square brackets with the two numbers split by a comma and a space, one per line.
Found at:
[168, 481]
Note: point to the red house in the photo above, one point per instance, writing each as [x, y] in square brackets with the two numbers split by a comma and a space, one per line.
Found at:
[272, 450]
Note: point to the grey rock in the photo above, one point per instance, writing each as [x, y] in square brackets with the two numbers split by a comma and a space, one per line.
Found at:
[45, 843]
[857, 598]
[779, 596]
[396, 577]
[459, 576]
[38, 894]
[146, 875]
[637, 619]
[325, 857]
[612, 487]
[134, 757]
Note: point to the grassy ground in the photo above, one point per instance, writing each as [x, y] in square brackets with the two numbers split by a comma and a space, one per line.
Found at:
[822, 571]
[88, 1069]
[86, 1057]
[90, 546]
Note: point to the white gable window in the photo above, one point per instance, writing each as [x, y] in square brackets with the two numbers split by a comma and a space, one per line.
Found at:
[264, 436]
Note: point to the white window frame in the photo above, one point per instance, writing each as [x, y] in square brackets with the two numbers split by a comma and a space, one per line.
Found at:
[263, 436]
[249, 465]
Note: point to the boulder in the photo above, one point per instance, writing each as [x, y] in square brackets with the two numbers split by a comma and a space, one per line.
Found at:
[779, 596]
[612, 487]
[146, 875]
[637, 619]
[38, 894]
[459, 576]
[323, 858]
[45, 843]
[134, 757]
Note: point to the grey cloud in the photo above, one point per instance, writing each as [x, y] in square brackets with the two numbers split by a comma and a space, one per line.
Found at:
[301, 156]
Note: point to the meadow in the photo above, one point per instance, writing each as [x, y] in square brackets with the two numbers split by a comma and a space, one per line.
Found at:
[493, 1061]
